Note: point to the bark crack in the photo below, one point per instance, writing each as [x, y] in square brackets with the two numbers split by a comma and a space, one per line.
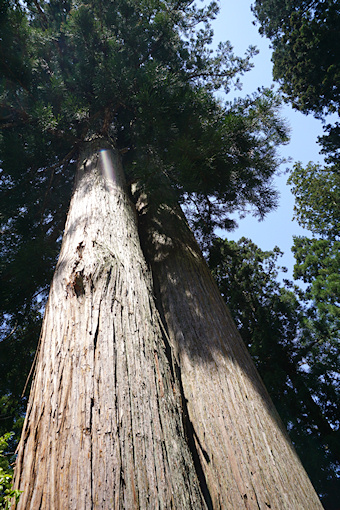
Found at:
[95, 340]
[91, 452]
[191, 437]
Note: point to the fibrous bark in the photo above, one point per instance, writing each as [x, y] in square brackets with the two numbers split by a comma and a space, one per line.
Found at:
[244, 454]
[144, 395]
[104, 424]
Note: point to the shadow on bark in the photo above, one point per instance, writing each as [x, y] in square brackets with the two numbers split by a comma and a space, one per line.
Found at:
[237, 439]
[184, 286]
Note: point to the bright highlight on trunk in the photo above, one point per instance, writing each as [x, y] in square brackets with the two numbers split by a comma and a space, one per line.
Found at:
[144, 395]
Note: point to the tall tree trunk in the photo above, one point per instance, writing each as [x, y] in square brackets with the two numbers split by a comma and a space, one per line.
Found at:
[104, 423]
[243, 453]
[104, 426]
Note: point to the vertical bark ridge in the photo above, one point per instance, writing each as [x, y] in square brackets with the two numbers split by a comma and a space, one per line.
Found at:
[246, 456]
[103, 427]
[194, 445]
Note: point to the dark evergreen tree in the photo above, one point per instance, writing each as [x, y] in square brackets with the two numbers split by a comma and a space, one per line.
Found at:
[305, 51]
[316, 191]
[306, 56]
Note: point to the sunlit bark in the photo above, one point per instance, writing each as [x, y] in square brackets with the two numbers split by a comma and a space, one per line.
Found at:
[104, 423]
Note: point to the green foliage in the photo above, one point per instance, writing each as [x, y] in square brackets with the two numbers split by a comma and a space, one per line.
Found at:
[7, 493]
[226, 165]
[317, 199]
[331, 143]
[317, 207]
[306, 55]
[298, 369]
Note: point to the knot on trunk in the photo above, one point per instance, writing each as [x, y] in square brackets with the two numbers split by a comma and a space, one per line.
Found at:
[75, 287]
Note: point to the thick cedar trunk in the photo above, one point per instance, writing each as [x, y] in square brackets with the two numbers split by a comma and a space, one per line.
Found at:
[243, 450]
[104, 424]
[114, 388]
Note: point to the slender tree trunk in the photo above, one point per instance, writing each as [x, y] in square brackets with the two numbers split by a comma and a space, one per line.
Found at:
[104, 422]
[243, 455]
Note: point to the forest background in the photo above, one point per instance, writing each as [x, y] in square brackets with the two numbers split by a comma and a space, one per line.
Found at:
[292, 332]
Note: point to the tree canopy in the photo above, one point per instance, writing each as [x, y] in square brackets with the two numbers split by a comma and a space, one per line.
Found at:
[306, 54]
[306, 57]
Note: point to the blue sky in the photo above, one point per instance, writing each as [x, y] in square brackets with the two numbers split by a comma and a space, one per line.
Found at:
[234, 23]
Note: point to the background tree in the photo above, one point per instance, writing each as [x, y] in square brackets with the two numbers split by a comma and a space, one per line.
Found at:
[317, 198]
[306, 56]
[316, 191]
